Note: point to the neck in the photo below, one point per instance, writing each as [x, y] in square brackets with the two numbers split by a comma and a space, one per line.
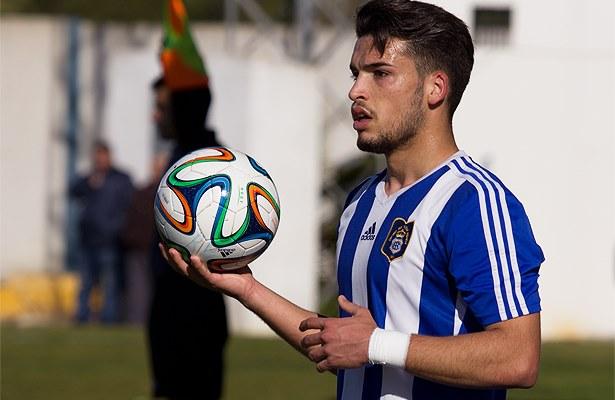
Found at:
[431, 146]
[102, 170]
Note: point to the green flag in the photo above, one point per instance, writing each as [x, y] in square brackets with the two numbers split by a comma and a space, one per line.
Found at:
[181, 62]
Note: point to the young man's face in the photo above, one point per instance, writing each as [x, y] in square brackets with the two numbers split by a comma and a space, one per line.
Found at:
[102, 159]
[387, 96]
[162, 112]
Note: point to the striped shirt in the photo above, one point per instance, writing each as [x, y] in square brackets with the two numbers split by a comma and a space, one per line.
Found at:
[450, 254]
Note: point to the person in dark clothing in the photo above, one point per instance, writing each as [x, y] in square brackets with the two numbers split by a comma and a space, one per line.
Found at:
[187, 327]
[105, 194]
[136, 239]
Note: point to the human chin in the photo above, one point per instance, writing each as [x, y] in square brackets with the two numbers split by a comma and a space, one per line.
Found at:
[370, 144]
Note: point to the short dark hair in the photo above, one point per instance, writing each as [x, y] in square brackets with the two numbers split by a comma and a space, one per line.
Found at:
[435, 38]
[101, 145]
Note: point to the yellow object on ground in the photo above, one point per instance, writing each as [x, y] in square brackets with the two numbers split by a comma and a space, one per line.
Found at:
[38, 295]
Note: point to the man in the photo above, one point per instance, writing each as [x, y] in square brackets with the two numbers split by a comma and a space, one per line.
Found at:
[136, 238]
[437, 264]
[187, 327]
[105, 194]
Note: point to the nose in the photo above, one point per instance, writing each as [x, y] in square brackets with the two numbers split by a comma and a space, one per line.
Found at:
[358, 90]
[157, 115]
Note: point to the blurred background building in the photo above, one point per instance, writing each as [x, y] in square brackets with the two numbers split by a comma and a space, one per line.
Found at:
[539, 111]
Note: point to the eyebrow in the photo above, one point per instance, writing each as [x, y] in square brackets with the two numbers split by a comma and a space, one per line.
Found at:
[371, 66]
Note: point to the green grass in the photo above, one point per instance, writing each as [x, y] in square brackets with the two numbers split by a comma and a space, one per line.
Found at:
[73, 363]
[573, 371]
[271, 369]
[110, 363]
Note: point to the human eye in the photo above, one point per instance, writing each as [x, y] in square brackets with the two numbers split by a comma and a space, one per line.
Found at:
[380, 73]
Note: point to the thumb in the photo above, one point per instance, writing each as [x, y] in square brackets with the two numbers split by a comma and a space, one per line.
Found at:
[348, 306]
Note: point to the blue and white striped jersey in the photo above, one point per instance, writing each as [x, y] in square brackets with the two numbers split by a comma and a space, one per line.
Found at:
[450, 254]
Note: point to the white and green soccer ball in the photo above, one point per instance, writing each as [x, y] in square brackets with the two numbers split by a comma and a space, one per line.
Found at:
[219, 204]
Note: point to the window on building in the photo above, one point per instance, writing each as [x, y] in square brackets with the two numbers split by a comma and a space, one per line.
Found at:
[492, 26]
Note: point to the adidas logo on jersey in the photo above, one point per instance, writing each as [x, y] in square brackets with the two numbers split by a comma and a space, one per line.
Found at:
[370, 233]
[226, 252]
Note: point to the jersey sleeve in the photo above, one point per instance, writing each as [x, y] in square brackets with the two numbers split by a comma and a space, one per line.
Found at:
[493, 257]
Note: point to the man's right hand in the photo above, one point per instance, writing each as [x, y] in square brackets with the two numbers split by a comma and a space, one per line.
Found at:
[237, 283]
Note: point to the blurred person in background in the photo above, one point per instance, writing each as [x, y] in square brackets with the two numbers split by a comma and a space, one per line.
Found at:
[105, 194]
[187, 326]
[437, 263]
[136, 237]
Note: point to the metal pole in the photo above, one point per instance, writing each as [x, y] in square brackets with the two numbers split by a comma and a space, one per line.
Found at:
[100, 90]
[304, 20]
[72, 126]
[231, 16]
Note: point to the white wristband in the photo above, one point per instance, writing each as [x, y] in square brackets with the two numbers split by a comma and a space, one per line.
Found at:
[388, 348]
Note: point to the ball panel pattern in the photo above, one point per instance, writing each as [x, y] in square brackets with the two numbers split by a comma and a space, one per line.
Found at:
[219, 204]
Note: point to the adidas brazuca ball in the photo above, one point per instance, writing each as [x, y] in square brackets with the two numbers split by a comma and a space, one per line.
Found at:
[219, 204]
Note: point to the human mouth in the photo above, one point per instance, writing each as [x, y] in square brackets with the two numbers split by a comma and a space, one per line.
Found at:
[361, 117]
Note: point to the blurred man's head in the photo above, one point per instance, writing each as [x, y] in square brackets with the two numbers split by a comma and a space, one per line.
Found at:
[162, 109]
[102, 156]
[182, 113]
[189, 109]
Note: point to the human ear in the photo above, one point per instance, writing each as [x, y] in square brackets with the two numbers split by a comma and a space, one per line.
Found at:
[437, 88]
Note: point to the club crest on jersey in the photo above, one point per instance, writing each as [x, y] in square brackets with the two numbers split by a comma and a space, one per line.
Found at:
[397, 239]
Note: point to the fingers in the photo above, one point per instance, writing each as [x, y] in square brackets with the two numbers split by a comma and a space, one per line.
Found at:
[323, 366]
[312, 323]
[177, 261]
[195, 270]
[194, 275]
[312, 340]
[197, 264]
[316, 351]
[163, 251]
[317, 354]
[334, 343]
[174, 259]
[348, 306]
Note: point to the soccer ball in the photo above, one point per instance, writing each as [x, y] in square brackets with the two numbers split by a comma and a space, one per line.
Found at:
[219, 204]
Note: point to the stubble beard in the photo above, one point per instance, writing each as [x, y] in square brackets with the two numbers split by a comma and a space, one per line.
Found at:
[400, 134]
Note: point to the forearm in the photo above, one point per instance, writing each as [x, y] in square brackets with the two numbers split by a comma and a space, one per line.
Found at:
[493, 358]
[280, 314]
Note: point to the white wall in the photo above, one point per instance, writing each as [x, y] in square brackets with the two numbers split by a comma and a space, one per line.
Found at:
[28, 117]
[128, 112]
[541, 114]
[548, 24]
[554, 150]
[261, 110]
